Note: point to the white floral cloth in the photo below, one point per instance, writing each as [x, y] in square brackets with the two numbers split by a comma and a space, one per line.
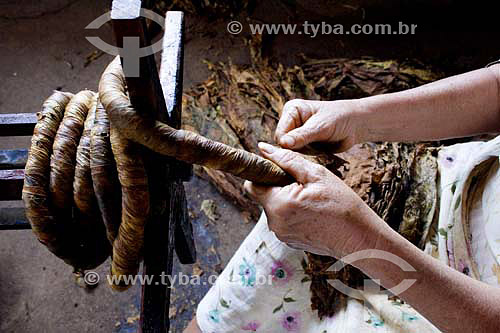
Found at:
[264, 288]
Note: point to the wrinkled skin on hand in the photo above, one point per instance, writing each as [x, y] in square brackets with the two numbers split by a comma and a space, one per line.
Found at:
[317, 213]
[332, 123]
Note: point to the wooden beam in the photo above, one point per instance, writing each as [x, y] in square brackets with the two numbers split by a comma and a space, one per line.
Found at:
[147, 97]
[172, 65]
[171, 78]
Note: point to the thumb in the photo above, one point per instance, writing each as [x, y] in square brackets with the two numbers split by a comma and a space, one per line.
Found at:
[301, 136]
[259, 192]
[304, 171]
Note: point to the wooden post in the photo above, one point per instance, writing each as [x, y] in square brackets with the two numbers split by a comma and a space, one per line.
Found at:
[168, 216]
[171, 81]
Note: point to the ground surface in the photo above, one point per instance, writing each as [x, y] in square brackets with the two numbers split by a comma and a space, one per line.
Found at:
[43, 48]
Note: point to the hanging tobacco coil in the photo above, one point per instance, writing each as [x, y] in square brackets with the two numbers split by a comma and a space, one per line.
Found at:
[86, 189]
[67, 233]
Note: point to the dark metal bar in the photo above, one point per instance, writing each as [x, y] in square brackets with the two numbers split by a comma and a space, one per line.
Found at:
[11, 183]
[146, 95]
[13, 219]
[13, 159]
[18, 124]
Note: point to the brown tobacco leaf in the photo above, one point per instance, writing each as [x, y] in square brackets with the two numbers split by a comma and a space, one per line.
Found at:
[389, 178]
[348, 78]
[36, 180]
[203, 7]
[83, 191]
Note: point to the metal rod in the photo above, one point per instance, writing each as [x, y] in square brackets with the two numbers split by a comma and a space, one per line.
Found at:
[18, 124]
[11, 183]
[13, 159]
[13, 219]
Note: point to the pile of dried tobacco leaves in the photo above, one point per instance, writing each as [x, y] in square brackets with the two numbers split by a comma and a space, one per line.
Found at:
[241, 105]
[203, 7]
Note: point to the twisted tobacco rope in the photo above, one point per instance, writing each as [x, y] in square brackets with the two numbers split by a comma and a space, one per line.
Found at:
[86, 189]
[183, 145]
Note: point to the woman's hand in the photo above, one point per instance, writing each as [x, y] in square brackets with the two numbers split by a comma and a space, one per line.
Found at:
[303, 122]
[318, 213]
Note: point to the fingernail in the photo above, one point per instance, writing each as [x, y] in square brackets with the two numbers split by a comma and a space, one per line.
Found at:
[288, 141]
[246, 185]
[266, 147]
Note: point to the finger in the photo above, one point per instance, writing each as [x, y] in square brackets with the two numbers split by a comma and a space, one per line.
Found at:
[299, 137]
[259, 192]
[296, 246]
[295, 113]
[298, 167]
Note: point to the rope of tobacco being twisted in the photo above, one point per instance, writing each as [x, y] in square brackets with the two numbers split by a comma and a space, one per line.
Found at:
[86, 189]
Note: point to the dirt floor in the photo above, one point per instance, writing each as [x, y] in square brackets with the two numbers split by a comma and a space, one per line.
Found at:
[43, 48]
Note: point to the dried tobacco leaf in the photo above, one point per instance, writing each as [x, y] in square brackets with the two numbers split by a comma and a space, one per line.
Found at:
[203, 7]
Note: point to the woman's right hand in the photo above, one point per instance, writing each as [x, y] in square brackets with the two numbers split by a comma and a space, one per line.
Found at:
[332, 123]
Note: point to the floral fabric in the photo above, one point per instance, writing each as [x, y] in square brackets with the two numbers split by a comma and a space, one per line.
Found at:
[264, 288]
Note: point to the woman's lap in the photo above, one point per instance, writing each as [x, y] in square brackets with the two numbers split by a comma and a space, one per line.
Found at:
[264, 288]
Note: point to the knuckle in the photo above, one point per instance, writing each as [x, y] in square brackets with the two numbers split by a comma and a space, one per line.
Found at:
[316, 169]
[293, 103]
[286, 157]
[319, 169]
[320, 126]
[293, 109]
[303, 196]
[306, 107]
[304, 135]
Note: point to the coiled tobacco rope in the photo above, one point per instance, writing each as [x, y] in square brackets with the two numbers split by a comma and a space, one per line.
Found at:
[86, 190]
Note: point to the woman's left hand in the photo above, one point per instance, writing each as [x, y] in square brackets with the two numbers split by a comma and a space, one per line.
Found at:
[318, 213]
